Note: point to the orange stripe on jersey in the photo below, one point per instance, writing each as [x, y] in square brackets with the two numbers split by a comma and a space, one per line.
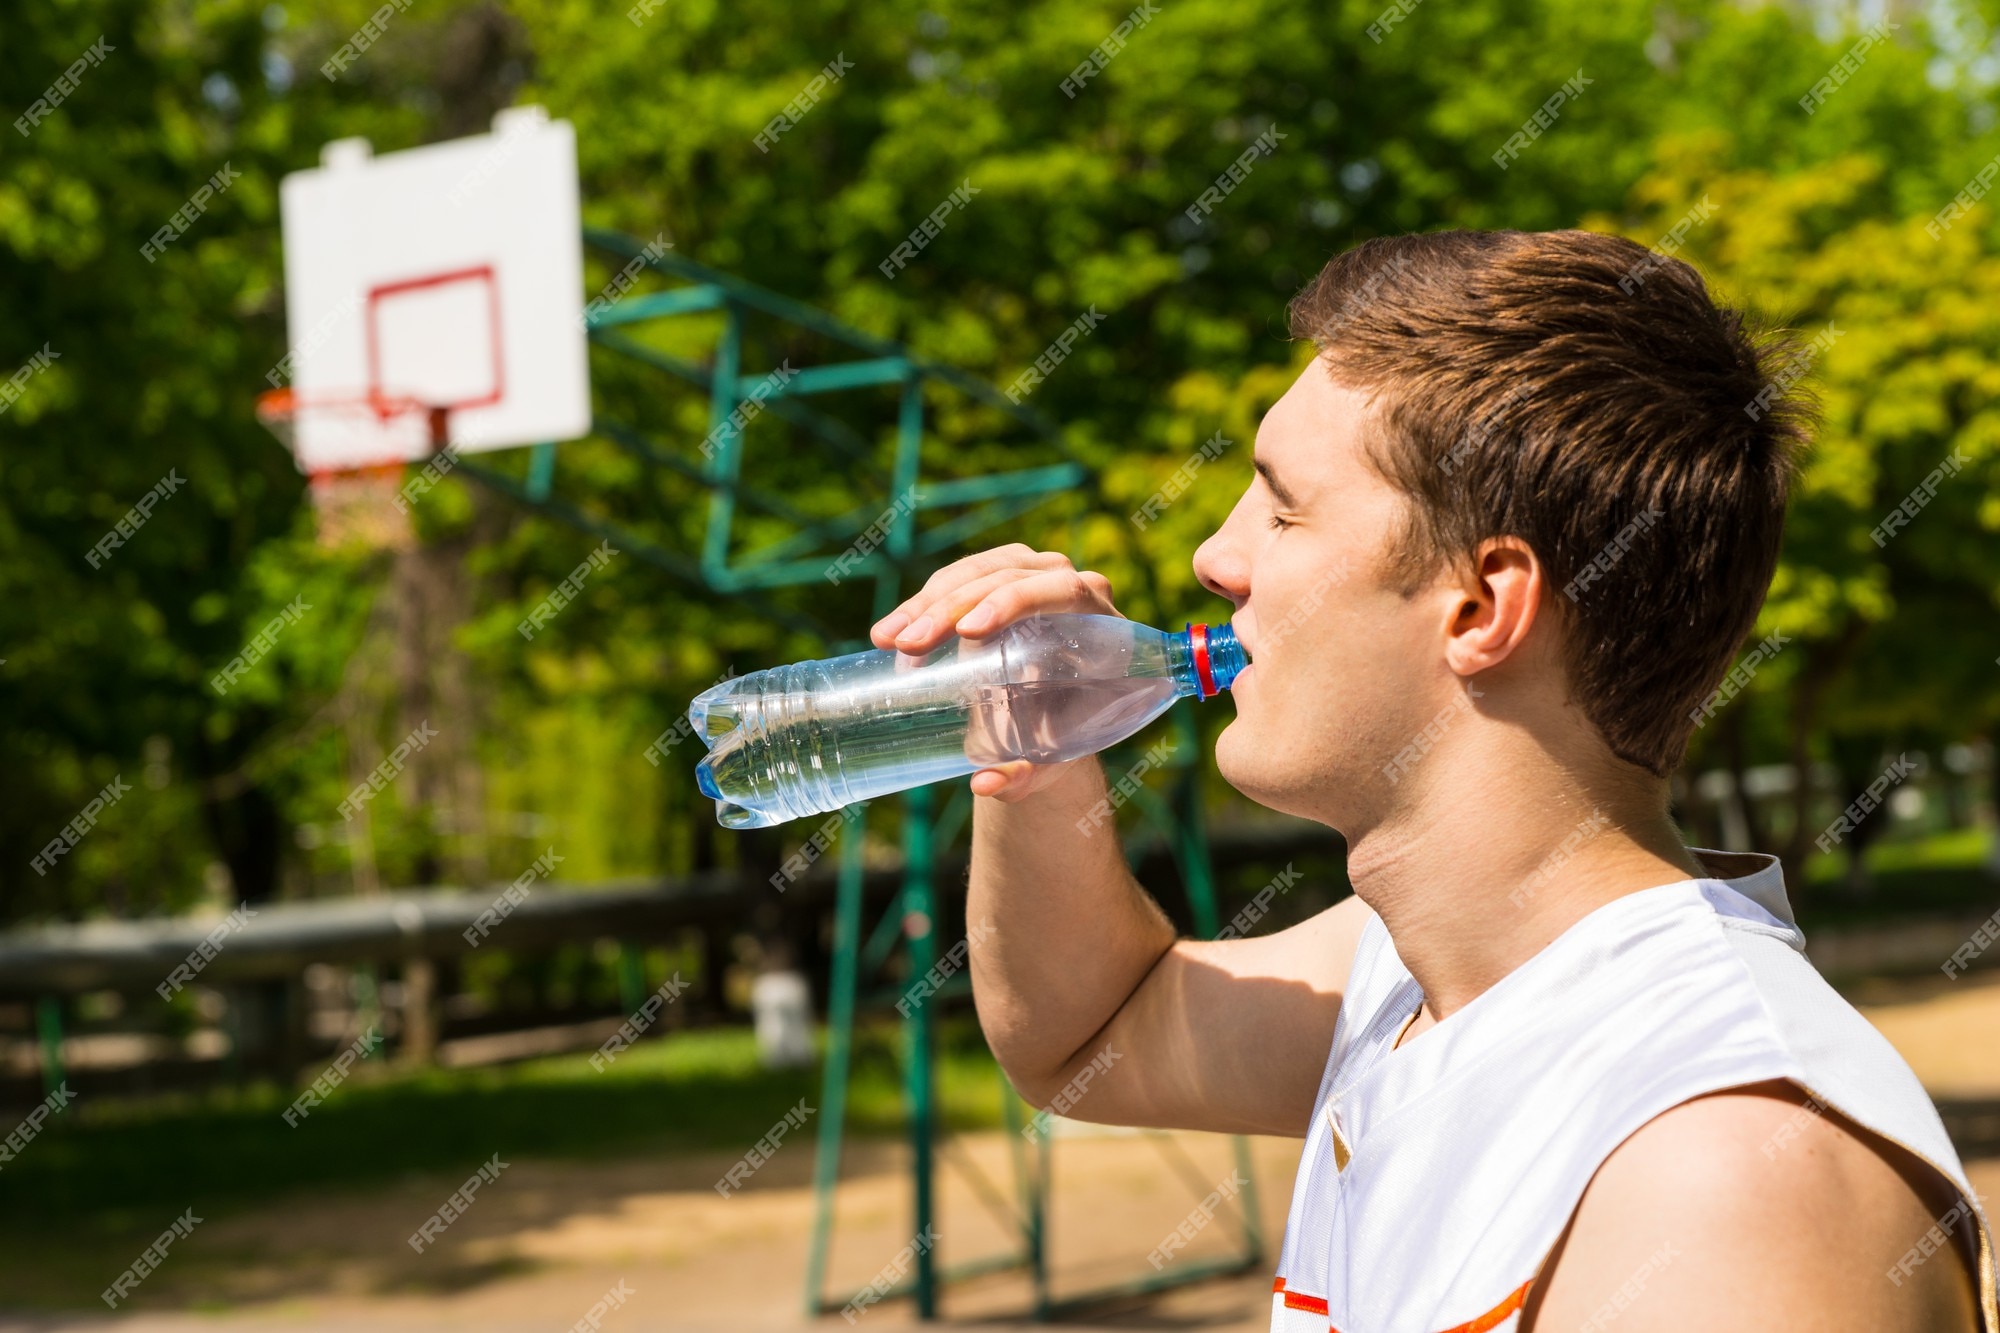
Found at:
[1298, 1300]
[1492, 1318]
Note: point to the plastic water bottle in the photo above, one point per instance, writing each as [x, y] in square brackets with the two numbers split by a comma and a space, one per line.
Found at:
[815, 736]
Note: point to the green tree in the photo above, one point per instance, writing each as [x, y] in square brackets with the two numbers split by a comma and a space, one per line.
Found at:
[1083, 205]
[1909, 387]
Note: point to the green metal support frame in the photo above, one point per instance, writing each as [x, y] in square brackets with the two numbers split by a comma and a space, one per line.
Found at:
[984, 501]
[49, 1035]
[910, 918]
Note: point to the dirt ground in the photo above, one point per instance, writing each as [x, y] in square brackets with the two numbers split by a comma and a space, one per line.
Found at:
[552, 1239]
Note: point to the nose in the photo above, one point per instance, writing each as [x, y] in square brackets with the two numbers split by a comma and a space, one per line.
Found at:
[1223, 568]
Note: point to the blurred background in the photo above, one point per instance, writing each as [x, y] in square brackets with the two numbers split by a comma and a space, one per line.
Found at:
[1824, 164]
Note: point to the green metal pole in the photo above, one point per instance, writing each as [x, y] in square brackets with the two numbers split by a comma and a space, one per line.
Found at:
[725, 441]
[909, 449]
[48, 1026]
[541, 471]
[920, 923]
[1029, 1175]
[367, 1008]
[631, 976]
[919, 905]
[839, 1050]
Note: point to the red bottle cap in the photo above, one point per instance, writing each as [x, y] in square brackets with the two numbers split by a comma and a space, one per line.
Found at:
[1198, 644]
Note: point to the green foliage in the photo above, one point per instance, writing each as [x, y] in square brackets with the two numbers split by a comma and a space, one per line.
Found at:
[100, 1176]
[1081, 206]
[1909, 380]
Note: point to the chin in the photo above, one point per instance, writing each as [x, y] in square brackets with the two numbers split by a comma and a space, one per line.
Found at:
[1246, 766]
[1228, 744]
[1227, 748]
[1258, 771]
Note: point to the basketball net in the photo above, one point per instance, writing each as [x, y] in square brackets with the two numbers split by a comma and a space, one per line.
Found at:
[355, 507]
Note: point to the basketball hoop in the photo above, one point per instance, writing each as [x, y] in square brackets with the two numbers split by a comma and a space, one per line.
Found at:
[360, 505]
[464, 310]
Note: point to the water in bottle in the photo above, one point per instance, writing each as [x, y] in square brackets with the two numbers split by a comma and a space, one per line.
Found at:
[815, 736]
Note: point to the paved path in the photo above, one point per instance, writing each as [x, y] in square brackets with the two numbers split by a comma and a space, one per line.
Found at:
[551, 1239]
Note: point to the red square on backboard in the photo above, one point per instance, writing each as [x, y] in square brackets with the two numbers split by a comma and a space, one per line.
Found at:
[421, 343]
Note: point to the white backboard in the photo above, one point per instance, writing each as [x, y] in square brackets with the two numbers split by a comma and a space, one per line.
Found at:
[450, 274]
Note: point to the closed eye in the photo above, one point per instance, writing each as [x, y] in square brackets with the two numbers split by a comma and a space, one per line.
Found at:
[1280, 523]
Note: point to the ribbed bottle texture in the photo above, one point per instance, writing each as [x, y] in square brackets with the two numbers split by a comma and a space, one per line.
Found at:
[815, 736]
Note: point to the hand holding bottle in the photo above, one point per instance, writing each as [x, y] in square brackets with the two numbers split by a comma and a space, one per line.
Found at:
[977, 597]
[998, 671]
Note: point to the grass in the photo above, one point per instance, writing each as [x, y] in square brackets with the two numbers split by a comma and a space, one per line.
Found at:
[1941, 873]
[107, 1172]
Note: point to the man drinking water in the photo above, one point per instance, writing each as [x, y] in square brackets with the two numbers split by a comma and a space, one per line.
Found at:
[1553, 1068]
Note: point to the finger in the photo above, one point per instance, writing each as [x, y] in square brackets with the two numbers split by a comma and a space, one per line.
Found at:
[1013, 556]
[883, 633]
[1009, 781]
[976, 609]
[1056, 592]
[990, 782]
[932, 621]
[1036, 778]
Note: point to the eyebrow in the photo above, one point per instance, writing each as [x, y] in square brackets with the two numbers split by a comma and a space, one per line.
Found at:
[1270, 476]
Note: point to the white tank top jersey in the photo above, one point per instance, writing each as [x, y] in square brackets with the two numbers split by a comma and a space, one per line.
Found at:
[1437, 1176]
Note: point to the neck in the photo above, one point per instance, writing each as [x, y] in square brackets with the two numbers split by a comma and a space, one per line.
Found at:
[1466, 903]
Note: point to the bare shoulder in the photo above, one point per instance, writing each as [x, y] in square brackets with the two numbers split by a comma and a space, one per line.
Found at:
[1758, 1208]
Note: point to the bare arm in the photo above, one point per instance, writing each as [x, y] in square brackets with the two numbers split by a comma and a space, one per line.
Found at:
[1081, 968]
[1075, 968]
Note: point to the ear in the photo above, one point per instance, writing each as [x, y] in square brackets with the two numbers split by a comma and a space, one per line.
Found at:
[1495, 602]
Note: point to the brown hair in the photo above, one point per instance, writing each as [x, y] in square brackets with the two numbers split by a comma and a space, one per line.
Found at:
[1588, 396]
